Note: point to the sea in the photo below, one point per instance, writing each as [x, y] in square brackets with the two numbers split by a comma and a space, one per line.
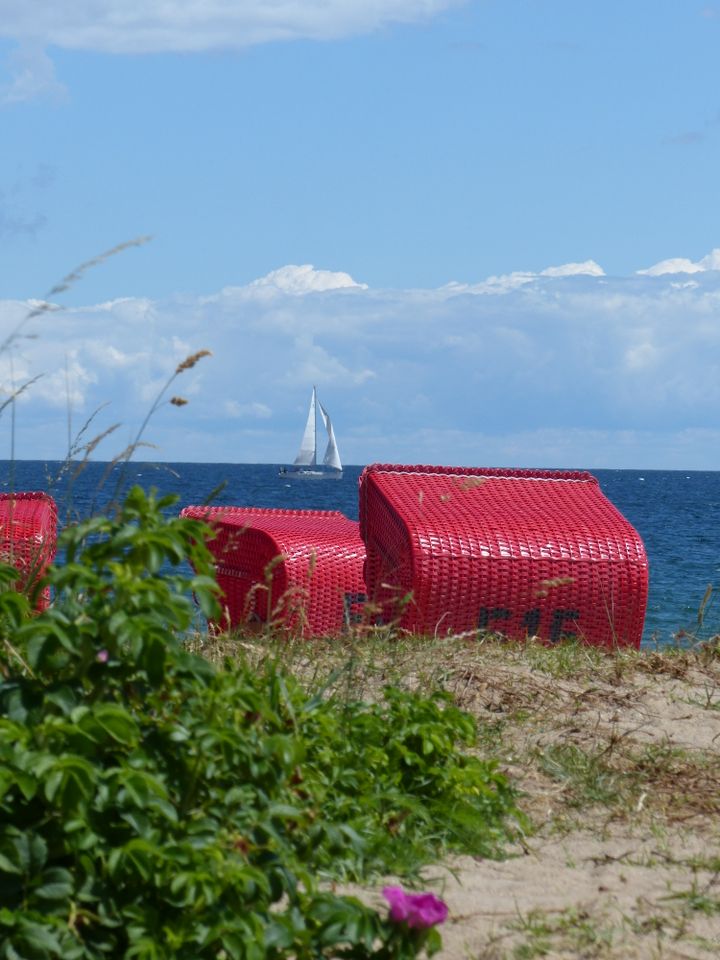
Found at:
[677, 514]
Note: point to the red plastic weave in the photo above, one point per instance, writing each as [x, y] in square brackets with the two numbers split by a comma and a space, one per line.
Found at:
[28, 536]
[519, 552]
[301, 570]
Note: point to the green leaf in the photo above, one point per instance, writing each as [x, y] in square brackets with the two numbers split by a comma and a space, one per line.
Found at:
[13, 702]
[141, 857]
[27, 784]
[9, 866]
[70, 783]
[117, 722]
[64, 697]
[153, 658]
[146, 948]
[41, 939]
[285, 811]
[22, 852]
[57, 884]
[278, 935]
[50, 649]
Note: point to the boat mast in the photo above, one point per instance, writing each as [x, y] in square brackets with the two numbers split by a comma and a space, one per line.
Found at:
[315, 424]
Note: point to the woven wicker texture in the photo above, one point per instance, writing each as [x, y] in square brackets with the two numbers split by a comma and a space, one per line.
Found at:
[519, 552]
[28, 536]
[301, 570]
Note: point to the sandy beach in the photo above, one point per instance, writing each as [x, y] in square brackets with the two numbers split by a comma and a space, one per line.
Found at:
[618, 762]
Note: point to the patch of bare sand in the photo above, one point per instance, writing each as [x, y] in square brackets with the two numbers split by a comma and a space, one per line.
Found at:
[618, 762]
[581, 896]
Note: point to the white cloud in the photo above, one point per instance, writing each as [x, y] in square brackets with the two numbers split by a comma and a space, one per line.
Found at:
[588, 268]
[57, 388]
[511, 281]
[132, 309]
[314, 364]
[640, 356]
[107, 355]
[304, 279]
[259, 411]
[32, 75]
[152, 26]
[683, 265]
[61, 388]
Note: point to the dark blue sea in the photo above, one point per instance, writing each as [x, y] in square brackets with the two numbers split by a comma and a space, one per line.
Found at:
[676, 513]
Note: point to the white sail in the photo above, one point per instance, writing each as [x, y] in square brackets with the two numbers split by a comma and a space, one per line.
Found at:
[332, 457]
[307, 455]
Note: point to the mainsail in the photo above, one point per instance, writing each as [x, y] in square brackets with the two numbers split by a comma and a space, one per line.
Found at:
[307, 455]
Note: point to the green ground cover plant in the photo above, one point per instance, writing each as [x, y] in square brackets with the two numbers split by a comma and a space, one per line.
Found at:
[156, 805]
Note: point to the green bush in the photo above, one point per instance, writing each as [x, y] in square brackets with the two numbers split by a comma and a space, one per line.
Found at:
[393, 773]
[153, 806]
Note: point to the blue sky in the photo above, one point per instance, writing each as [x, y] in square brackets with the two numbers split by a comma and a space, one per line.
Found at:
[442, 213]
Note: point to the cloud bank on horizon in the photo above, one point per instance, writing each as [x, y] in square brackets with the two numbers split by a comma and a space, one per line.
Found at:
[683, 265]
[566, 366]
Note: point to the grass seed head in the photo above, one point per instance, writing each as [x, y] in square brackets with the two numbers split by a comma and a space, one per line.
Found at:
[189, 362]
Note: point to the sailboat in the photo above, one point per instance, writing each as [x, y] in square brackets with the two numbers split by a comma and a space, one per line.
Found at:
[306, 462]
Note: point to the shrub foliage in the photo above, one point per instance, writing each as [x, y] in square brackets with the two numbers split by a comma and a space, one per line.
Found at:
[153, 806]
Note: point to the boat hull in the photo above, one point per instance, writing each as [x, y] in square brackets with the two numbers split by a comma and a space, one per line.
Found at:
[302, 473]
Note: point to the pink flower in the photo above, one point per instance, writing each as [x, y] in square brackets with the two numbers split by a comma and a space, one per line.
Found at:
[419, 910]
[102, 656]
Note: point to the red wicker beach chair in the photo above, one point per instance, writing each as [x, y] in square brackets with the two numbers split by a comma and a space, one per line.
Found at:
[28, 537]
[519, 552]
[301, 570]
